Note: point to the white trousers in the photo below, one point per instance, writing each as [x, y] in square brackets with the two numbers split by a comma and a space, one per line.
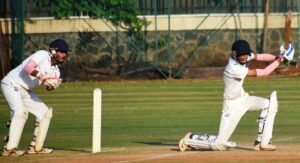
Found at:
[232, 112]
[19, 98]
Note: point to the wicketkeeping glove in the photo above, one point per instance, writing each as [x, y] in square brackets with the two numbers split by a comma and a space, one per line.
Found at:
[52, 83]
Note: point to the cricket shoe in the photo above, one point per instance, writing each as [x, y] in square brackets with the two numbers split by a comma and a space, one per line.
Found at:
[12, 152]
[31, 150]
[259, 147]
[182, 146]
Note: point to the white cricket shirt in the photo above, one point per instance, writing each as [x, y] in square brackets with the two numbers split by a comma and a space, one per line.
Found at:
[43, 60]
[234, 76]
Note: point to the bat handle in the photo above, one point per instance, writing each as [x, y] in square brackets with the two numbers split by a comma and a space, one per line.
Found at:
[286, 45]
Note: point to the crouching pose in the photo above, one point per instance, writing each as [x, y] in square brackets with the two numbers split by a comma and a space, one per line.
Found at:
[41, 68]
[237, 102]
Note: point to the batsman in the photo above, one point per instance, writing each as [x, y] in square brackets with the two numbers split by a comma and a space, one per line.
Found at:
[236, 101]
[41, 68]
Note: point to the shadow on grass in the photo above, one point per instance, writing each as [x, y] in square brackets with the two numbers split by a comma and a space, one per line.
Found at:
[244, 148]
[157, 143]
[175, 148]
[73, 150]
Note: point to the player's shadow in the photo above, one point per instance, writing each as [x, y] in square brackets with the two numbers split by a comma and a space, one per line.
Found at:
[73, 150]
[161, 143]
[174, 146]
[244, 148]
[157, 143]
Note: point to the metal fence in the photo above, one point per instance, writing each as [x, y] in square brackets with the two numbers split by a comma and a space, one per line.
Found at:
[149, 7]
[32, 8]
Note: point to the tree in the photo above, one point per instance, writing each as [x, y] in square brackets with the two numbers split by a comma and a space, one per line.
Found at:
[121, 13]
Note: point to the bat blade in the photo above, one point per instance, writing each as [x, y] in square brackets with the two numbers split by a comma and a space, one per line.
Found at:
[288, 21]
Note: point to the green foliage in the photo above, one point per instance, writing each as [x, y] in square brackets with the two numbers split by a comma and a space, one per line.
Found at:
[161, 41]
[122, 13]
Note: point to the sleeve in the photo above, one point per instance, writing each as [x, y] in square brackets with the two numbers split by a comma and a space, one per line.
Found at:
[30, 66]
[268, 70]
[265, 57]
[39, 56]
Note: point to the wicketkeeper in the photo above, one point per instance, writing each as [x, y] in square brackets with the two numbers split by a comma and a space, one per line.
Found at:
[41, 68]
[236, 102]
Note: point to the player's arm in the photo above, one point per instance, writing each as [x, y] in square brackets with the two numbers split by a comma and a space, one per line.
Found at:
[264, 57]
[261, 57]
[266, 71]
[30, 68]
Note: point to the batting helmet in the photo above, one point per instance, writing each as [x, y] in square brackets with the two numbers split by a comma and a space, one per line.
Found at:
[239, 48]
[59, 44]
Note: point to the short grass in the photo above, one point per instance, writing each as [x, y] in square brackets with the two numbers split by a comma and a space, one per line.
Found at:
[154, 113]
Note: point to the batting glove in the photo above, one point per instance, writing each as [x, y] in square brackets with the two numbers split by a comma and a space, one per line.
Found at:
[250, 57]
[287, 54]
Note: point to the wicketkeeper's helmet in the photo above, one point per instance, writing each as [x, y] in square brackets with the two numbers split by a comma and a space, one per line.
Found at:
[58, 45]
[239, 48]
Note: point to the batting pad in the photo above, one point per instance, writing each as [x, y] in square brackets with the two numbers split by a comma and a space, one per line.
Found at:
[261, 123]
[198, 144]
[42, 130]
[268, 127]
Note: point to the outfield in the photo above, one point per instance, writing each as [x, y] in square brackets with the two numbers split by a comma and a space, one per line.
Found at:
[143, 116]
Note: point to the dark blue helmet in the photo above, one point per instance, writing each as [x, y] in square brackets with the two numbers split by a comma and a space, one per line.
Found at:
[239, 48]
[59, 44]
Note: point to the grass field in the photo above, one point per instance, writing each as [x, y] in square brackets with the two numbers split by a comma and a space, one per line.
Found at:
[153, 114]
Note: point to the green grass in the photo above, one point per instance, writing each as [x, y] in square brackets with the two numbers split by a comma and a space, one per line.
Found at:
[149, 113]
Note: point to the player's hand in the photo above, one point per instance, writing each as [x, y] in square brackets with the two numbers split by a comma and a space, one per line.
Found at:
[52, 83]
[250, 57]
[49, 88]
[287, 54]
[44, 76]
[279, 57]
